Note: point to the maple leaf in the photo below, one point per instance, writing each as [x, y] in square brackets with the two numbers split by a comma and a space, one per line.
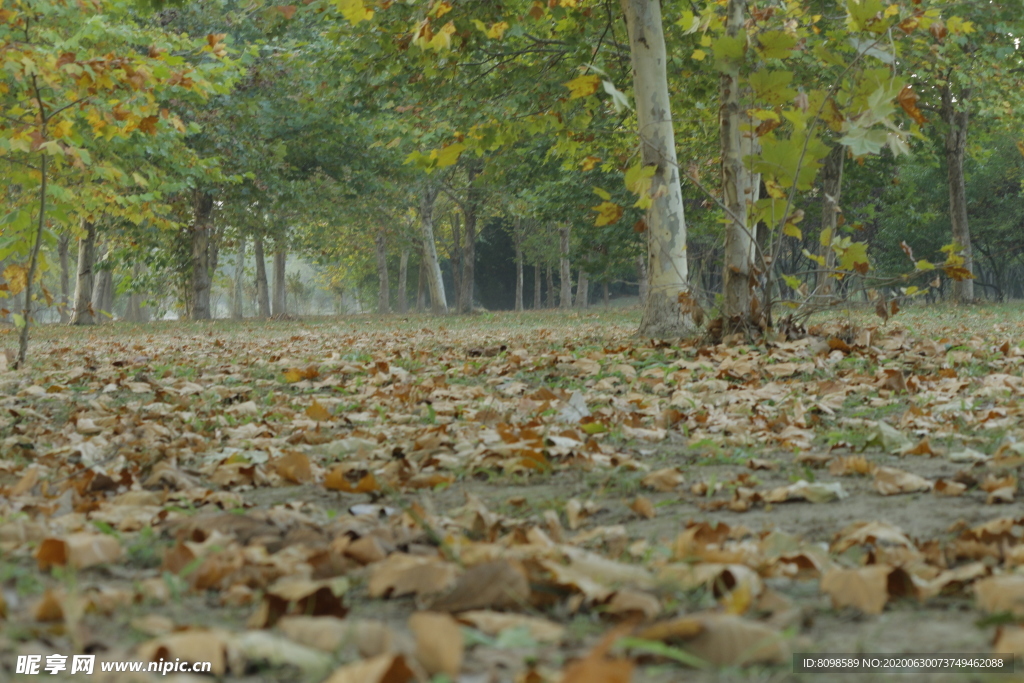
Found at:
[354, 11]
[607, 213]
[583, 86]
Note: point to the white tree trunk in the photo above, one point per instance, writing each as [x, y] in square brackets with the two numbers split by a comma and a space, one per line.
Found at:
[403, 282]
[262, 291]
[739, 188]
[279, 307]
[438, 301]
[565, 269]
[82, 313]
[667, 310]
[237, 312]
[582, 289]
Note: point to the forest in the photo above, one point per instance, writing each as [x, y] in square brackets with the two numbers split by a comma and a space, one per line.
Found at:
[435, 340]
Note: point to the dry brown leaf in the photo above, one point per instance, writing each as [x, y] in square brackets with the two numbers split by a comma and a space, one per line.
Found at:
[722, 639]
[851, 464]
[402, 574]
[78, 550]
[923, 447]
[1009, 640]
[294, 467]
[196, 645]
[949, 488]
[439, 646]
[629, 602]
[866, 588]
[642, 506]
[663, 480]
[498, 584]
[316, 411]
[493, 623]
[322, 633]
[387, 668]
[761, 464]
[297, 595]
[890, 481]
[1001, 593]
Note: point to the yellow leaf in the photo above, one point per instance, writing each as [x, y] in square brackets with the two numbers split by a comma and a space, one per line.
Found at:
[792, 231]
[603, 194]
[826, 237]
[705, 41]
[567, 3]
[891, 11]
[583, 86]
[441, 9]
[443, 38]
[699, 55]
[61, 129]
[607, 213]
[924, 265]
[353, 10]
[447, 156]
[497, 30]
[17, 278]
[292, 375]
[318, 412]
[589, 163]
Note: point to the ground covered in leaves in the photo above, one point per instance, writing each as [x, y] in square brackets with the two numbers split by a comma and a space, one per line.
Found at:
[533, 498]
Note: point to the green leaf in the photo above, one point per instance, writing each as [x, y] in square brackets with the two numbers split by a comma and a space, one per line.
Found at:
[924, 265]
[794, 283]
[603, 194]
[772, 86]
[775, 44]
[728, 50]
[854, 255]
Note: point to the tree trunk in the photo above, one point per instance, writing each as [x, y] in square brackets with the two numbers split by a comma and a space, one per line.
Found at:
[99, 287]
[641, 276]
[262, 291]
[549, 276]
[438, 301]
[831, 187]
[202, 211]
[739, 188]
[955, 115]
[517, 240]
[472, 210]
[565, 272]
[279, 307]
[663, 316]
[403, 276]
[605, 294]
[536, 287]
[135, 311]
[63, 246]
[82, 313]
[383, 281]
[237, 312]
[582, 290]
[456, 259]
[421, 287]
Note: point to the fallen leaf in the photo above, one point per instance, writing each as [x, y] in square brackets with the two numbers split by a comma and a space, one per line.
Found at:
[498, 584]
[1001, 593]
[663, 480]
[402, 574]
[865, 588]
[439, 646]
[597, 667]
[493, 623]
[890, 481]
[387, 668]
[643, 507]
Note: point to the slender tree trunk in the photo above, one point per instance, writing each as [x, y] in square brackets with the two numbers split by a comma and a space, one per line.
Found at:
[63, 246]
[33, 261]
[262, 290]
[135, 311]
[472, 210]
[669, 309]
[202, 226]
[517, 239]
[383, 280]
[582, 290]
[421, 287]
[279, 308]
[456, 259]
[955, 115]
[641, 276]
[438, 301]
[605, 294]
[565, 271]
[831, 187]
[237, 312]
[403, 276]
[536, 287]
[82, 313]
[738, 189]
[550, 278]
[99, 287]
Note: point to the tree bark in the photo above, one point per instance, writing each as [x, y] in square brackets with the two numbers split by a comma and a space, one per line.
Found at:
[739, 189]
[550, 278]
[641, 276]
[517, 240]
[237, 312]
[421, 287]
[831, 188]
[565, 270]
[536, 287]
[103, 292]
[403, 277]
[135, 311]
[456, 259]
[605, 294]
[438, 301]
[383, 281]
[262, 291]
[582, 290]
[279, 303]
[82, 313]
[955, 115]
[202, 211]
[471, 211]
[664, 315]
[63, 246]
